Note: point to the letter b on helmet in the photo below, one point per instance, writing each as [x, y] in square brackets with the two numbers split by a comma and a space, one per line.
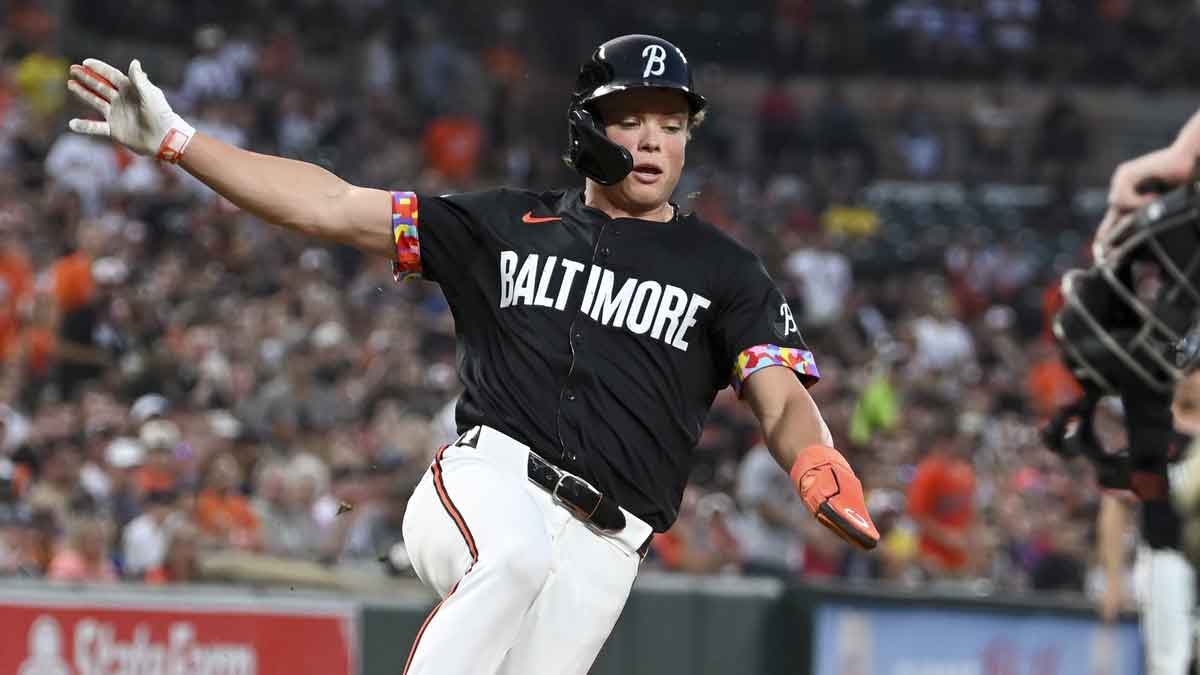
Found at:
[656, 60]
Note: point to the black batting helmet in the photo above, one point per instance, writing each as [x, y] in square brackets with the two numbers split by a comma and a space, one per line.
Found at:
[626, 62]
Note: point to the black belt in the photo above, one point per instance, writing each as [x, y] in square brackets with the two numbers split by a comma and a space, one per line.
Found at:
[584, 501]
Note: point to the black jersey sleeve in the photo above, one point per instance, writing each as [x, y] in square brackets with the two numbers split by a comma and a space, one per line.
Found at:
[435, 235]
[756, 328]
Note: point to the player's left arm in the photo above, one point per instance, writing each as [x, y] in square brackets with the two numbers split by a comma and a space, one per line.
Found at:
[755, 331]
[800, 441]
[787, 413]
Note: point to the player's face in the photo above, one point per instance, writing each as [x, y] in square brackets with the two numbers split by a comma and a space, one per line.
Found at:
[652, 125]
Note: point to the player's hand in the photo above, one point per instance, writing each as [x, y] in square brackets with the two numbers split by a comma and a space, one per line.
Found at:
[136, 113]
[834, 495]
[1138, 181]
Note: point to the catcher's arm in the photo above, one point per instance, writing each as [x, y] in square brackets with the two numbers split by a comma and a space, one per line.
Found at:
[289, 193]
[800, 441]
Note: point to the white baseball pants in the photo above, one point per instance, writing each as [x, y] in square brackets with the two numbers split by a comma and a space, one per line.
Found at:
[526, 587]
[1166, 591]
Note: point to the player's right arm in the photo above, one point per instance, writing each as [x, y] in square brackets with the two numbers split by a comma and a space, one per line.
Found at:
[293, 194]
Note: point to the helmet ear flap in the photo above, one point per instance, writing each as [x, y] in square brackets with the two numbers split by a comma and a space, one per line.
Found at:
[591, 152]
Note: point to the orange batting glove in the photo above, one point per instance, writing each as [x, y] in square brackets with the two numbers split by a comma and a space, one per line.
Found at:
[834, 495]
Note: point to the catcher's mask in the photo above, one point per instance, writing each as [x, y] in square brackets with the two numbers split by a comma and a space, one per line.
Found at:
[626, 62]
[1125, 320]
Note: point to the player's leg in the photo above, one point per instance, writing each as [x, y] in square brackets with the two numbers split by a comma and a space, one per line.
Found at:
[477, 538]
[1167, 593]
[569, 622]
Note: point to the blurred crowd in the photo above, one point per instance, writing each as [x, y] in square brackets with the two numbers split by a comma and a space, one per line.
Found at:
[180, 378]
[1079, 40]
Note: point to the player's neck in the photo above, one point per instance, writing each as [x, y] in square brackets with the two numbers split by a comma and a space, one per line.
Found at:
[597, 198]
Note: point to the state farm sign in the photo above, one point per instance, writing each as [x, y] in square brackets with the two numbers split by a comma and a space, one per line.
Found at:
[54, 640]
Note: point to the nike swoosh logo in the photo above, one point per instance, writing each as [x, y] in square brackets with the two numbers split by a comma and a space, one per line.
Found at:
[855, 517]
[530, 218]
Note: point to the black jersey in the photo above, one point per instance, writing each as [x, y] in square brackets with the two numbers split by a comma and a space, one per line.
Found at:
[599, 342]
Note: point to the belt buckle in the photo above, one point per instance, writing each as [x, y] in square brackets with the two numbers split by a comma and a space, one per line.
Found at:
[574, 509]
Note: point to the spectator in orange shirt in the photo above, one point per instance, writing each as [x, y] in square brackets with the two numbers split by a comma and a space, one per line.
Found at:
[941, 501]
[16, 284]
[72, 281]
[452, 146]
[1049, 384]
[222, 513]
[16, 275]
[700, 541]
[86, 557]
[79, 358]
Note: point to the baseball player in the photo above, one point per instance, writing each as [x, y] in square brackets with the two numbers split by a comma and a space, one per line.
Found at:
[1135, 481]
[595, 326]
[1120, 329]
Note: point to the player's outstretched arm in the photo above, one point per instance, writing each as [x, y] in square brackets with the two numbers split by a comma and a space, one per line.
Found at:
[297, 195]
[800, 441]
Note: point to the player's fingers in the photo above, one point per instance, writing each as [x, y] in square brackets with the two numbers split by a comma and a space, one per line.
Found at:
[113, 75]
[139, 77]
[89, 127]
[1140, 181]
[1107, 223]
[98, 85]
[89, 97]
[1124, 197]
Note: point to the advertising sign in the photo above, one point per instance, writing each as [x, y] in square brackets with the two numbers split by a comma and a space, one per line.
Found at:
[853, 640]
[92, 637]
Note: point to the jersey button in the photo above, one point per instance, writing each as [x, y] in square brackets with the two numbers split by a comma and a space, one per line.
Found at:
[606, 251]
[570, 394]
[578, 338]
[570, 456]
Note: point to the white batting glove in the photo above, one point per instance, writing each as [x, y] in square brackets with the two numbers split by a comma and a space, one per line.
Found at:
[136, 113]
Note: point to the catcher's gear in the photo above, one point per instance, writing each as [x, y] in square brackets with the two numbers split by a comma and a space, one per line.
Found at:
[1125, 319]
[1128, 327]
[834, 495]
[136, 113]
[1071, 433]
[626, 62]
